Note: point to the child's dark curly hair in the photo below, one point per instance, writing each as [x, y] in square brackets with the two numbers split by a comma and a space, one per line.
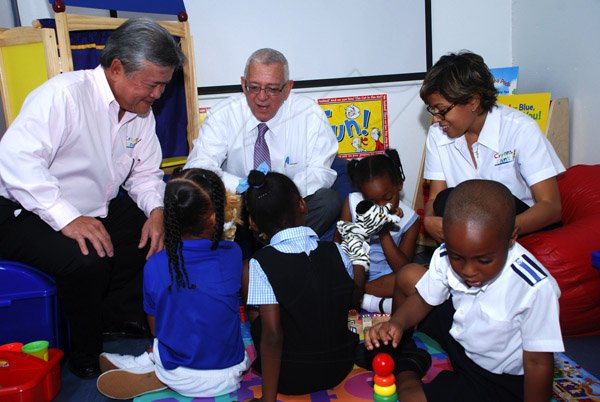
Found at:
[366, 169]
[272, 201]
[191, 196]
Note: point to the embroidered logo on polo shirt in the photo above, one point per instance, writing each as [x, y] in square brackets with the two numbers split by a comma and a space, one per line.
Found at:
[504, 157]
[528, 270]
[132, 141]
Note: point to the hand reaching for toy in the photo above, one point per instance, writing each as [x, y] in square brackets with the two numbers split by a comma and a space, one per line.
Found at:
[382, 334]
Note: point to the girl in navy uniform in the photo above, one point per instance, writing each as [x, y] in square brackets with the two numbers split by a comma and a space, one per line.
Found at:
[304, 288]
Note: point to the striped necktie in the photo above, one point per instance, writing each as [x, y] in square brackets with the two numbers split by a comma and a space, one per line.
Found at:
[261, 150]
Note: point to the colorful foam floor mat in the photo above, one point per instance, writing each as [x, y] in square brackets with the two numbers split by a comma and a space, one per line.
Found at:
[571, 382]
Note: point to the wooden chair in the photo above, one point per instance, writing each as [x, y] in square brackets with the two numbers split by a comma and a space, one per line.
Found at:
[28, 57]
[421, 197]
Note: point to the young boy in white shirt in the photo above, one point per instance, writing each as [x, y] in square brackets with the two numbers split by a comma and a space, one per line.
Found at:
[497, 306]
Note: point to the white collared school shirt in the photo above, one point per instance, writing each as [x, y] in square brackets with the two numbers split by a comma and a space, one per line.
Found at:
[510, 149]
[495, 323]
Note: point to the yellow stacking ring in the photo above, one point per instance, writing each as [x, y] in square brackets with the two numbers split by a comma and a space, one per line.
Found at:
[384, 391]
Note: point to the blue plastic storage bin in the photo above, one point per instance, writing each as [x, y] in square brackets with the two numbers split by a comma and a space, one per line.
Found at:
[28, 305]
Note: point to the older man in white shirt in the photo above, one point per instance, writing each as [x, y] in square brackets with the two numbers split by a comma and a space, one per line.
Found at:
[299, 140]
[79, 139]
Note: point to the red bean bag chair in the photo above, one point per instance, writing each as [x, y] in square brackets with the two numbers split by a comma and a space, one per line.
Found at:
[567, 251]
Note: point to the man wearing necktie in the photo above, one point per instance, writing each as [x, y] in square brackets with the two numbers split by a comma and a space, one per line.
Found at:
[261, 149]
[269, 124]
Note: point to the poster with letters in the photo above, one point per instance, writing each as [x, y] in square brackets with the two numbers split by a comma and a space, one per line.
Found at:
[360, 123]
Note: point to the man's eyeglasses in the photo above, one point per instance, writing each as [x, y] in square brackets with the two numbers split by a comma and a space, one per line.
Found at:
[270, 90]
[440, 114]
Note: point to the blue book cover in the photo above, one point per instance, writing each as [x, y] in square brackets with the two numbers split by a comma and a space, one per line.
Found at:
[505, 79]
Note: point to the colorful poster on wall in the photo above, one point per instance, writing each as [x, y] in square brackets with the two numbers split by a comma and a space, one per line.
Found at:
[360, 124]
[535, 105]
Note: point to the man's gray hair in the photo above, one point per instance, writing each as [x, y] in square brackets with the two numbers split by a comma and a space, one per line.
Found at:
[268, 56]
[140, 40]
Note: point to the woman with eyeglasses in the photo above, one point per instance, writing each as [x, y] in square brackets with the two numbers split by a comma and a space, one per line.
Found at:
[473, 137]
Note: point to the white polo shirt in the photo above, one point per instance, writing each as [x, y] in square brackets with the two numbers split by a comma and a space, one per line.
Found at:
[495, 323]
[510, 149]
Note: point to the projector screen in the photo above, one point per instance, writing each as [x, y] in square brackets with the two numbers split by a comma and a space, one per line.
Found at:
[326, 42]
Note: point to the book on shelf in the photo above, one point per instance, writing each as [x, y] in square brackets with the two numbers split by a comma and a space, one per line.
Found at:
[505, 79]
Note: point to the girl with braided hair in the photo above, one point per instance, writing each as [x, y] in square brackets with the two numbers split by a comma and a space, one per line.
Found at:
[380, 178]
[191, 299]
[303, 289]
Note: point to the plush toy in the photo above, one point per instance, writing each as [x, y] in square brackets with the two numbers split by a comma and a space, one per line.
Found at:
[370, 219]
[232, 216]
[374, 217]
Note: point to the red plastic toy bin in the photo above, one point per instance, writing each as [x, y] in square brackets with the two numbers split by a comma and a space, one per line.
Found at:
[26, 378]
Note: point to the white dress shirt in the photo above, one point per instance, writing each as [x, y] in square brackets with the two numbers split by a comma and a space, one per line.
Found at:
[510, 149]
[301, 143]
[66, 154]
[495, 323]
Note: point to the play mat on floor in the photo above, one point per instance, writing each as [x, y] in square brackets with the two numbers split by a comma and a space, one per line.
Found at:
[571, 382]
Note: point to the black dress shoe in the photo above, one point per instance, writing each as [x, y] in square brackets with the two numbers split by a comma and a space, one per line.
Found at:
[84, 366]
[126, 329]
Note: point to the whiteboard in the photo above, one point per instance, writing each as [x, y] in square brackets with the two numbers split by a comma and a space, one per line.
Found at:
[325, 41]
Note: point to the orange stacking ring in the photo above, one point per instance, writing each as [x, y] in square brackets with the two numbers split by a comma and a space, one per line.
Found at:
[384, 380]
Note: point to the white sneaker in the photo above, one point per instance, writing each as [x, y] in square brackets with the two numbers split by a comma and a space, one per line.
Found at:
[134, 364]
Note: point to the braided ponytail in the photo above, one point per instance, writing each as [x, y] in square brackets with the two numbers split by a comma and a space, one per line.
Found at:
[173, 244]
[191, 196]
[217, 192]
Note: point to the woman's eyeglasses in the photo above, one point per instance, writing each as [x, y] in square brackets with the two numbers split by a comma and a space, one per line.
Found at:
[440, 114]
